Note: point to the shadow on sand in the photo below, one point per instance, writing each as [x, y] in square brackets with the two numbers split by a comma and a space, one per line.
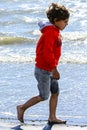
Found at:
[47, 127]
[18, 127]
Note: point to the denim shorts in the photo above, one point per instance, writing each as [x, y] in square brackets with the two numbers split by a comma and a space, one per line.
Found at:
[45, 83]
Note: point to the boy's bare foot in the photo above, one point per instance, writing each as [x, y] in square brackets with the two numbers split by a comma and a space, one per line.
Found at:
[56, 121]
[20, 113]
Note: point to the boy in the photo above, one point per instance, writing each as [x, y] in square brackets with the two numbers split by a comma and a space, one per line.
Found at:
[48, 52]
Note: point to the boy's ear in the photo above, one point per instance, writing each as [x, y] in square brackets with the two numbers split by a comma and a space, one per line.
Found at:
[55, 20]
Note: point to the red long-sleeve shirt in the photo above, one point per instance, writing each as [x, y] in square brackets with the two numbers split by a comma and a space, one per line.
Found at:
[48, 50]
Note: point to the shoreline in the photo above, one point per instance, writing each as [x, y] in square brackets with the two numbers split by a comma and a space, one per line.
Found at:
[6, 125]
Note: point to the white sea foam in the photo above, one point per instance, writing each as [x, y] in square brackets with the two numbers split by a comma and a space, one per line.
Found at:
[74, 36]
[74, 48]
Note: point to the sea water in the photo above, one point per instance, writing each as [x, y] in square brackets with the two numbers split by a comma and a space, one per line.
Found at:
[19, 33]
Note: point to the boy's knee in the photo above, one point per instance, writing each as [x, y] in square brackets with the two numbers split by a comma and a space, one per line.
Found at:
[54, 86]
[45, 97]
[54, 95]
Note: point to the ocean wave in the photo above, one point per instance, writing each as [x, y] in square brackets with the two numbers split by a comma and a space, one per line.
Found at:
[12, 40]
[16, 59]
[74, 36]
[66, 37]
[31, 59]
[74, 60]
[21, 9]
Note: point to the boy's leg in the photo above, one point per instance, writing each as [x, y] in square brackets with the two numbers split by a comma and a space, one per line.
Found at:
[53, 101]
[43, 79]
[29, 103]
[53, 106]
[52, 109]
[54, 87]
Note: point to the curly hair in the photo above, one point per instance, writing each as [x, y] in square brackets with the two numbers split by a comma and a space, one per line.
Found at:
[57, 11]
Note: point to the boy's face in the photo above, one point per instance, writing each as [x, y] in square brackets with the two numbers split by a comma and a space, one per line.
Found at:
[61, 24]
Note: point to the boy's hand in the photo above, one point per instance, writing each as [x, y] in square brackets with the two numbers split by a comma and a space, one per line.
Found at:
[55, 74]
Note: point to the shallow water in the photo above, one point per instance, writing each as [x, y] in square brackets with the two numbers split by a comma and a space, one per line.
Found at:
[19, 84]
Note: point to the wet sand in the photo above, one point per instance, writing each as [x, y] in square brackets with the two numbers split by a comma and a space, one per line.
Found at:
[16, 126]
